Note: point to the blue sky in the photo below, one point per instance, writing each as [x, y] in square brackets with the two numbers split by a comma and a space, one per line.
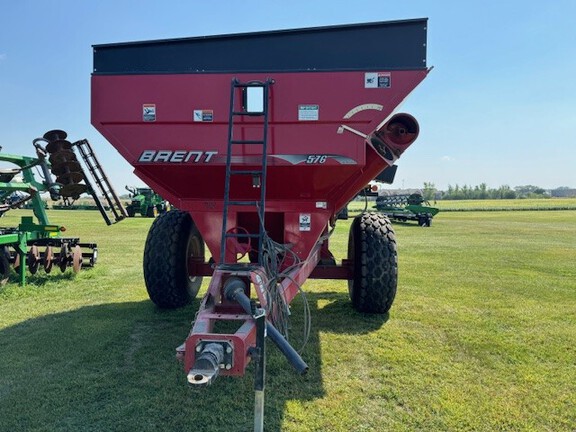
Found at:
[499, 106]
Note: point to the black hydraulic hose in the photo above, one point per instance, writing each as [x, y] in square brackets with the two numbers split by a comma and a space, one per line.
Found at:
[234, 291]
[289, 352]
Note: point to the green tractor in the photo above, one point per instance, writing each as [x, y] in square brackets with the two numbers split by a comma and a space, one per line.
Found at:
[145, 202]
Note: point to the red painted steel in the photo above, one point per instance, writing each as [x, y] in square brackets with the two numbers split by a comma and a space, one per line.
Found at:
[184, 160]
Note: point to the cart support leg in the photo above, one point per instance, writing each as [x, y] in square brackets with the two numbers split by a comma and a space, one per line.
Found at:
[260, 369]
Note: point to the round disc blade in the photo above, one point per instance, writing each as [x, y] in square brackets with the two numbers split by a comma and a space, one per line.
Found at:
[63, 257]
[55, 134]
[33, 259]
[48, 259]
[77, 259]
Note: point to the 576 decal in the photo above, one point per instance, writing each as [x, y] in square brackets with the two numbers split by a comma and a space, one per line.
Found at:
[316, 159]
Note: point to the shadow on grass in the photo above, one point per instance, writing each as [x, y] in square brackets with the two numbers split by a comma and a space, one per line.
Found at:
[42, 278]
[112, 367]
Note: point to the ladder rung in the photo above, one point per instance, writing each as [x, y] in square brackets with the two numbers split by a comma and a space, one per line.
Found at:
[252, 84]
[243, 203]
[247, 113]
[246, 172]
[261, 142]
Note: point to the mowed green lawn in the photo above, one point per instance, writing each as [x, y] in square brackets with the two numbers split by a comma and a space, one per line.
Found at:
[481, 337]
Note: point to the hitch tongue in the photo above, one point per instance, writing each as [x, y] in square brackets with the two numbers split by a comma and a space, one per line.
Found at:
[207, 365]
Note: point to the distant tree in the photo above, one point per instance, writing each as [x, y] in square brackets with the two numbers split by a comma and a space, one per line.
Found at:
[563, 191]
[429, 191]
[529, 191]
[483, 191]
[506, 192]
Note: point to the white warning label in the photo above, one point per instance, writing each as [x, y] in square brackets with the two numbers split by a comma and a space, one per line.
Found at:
[377, 80]
[308, 112]
[203, 115]
[305, 222]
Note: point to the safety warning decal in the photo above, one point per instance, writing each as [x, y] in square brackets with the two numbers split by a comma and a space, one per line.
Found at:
[377, 80]
[308, 112]
[148, 112]
[203, 115]
[305, 221]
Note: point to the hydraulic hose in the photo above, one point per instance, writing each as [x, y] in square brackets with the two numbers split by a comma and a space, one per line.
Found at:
[234, 291]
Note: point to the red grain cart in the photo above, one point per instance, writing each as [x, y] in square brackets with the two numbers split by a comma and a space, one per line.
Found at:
[260, 139]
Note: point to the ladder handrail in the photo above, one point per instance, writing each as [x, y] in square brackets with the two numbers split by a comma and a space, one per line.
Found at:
[262, 171]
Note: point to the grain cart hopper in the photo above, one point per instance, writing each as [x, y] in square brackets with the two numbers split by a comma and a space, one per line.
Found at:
[260, 139]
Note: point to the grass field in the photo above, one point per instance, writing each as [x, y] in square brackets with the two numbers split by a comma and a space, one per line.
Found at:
[482, 337]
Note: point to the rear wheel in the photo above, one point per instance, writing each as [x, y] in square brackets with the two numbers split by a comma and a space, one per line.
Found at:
[372, 249]
[173, 238]
[151, 211]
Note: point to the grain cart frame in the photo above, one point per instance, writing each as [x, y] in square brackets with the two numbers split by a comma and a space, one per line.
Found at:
[260, 139]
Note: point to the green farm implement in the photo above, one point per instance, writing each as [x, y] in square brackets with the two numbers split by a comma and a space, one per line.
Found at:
[38, 244]
[146, 202]
[405, 207]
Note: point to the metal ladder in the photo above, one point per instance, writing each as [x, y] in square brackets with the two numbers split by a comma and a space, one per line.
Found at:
[116, 209]
[258, 174]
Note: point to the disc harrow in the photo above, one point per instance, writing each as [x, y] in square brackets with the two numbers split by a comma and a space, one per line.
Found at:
[36, 244]
[44, 254]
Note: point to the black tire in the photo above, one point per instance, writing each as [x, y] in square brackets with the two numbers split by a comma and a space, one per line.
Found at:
[372, 249]
[130, 210]
[173, 237]
[4, 267]
[151, 211]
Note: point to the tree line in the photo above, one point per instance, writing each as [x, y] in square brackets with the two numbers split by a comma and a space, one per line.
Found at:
[482, 191]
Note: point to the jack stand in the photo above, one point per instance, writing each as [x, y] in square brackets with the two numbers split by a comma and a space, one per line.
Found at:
[259, 355]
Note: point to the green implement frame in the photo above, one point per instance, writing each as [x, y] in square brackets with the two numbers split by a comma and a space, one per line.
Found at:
[405, 207]
[19, 246]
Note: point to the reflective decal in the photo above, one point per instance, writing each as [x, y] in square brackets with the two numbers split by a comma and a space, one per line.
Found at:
[149, 112]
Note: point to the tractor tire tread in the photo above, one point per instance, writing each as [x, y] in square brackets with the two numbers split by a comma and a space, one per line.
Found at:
[165, 267]
[376, 263]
